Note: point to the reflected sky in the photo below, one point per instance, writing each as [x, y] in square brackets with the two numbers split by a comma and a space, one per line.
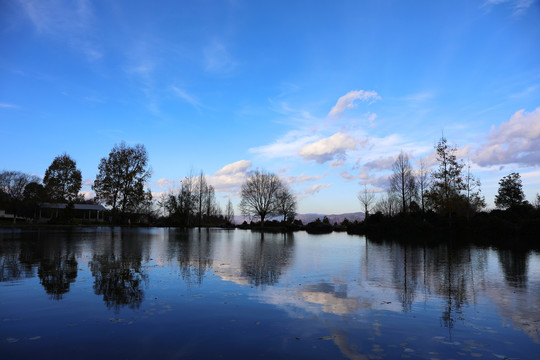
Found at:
[277, 296]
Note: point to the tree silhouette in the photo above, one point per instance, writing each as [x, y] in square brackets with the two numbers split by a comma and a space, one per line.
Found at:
[366, 197]
[62, 179]
[402, 180]
[447, 183]
[12, 185]
[259, 195]
[510, 191]
[286, 203]
[122, 177]
[229, 212]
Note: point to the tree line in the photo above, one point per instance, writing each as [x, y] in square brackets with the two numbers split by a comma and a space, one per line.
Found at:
[448, 197]
[263, 195]
[122, 185]
[449, 194]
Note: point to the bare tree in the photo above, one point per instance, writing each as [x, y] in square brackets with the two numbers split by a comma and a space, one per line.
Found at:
[201, 189]
[475, 200]
[13, 183]
[259, 195]
[402, 180]
[229, 213]
[186, 199]
[423, 181]
[286, 203]
[366, 198]
[211, 205]
[388, 204]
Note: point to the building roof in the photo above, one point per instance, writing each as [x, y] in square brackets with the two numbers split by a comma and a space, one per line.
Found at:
[75, 206]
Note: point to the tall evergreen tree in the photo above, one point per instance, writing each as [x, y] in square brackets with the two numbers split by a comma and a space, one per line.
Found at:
[447, 181]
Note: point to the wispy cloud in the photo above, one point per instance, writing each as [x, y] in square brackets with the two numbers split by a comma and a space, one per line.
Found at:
[347, 101]
[71, 21]
[184, 95]
[8, 106]
[518, 6]
[217, 58]
[302, 179]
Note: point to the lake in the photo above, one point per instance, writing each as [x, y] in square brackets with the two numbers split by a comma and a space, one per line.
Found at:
[138, 293]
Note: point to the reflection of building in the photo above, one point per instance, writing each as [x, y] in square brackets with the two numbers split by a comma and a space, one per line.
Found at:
[89, 212]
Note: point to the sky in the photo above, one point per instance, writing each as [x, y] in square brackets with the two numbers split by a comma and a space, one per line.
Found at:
[323, 93]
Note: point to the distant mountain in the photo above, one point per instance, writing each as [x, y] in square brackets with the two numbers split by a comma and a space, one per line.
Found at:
[307, 218]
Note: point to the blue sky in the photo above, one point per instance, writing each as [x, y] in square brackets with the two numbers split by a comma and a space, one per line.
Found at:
[324, 93]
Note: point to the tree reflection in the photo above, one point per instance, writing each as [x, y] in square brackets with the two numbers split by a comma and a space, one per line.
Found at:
[514, 264]
[54, 257]
[17, 258]
[119, 277]
[450, 267]
[193, 253]
[406, 273]
[56, 274]
[263, 260]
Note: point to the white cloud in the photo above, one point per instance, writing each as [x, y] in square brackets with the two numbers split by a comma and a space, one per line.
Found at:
[167, 183]
[89, 194]
[383, 163]
[379, 183]
[231, 177]
[286, 146]
[347, 100]
[514, 142]
[347, 176]
[336, 164]
[328, 148]
[316, 188]
[241, 166]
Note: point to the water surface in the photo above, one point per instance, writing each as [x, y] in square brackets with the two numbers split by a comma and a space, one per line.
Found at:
[129, 293]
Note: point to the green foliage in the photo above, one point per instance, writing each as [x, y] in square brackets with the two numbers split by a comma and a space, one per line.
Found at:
[62, 179]
[122, 177]
[510, 191]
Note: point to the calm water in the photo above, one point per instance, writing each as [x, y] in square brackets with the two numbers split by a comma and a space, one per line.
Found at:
[168, 293]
